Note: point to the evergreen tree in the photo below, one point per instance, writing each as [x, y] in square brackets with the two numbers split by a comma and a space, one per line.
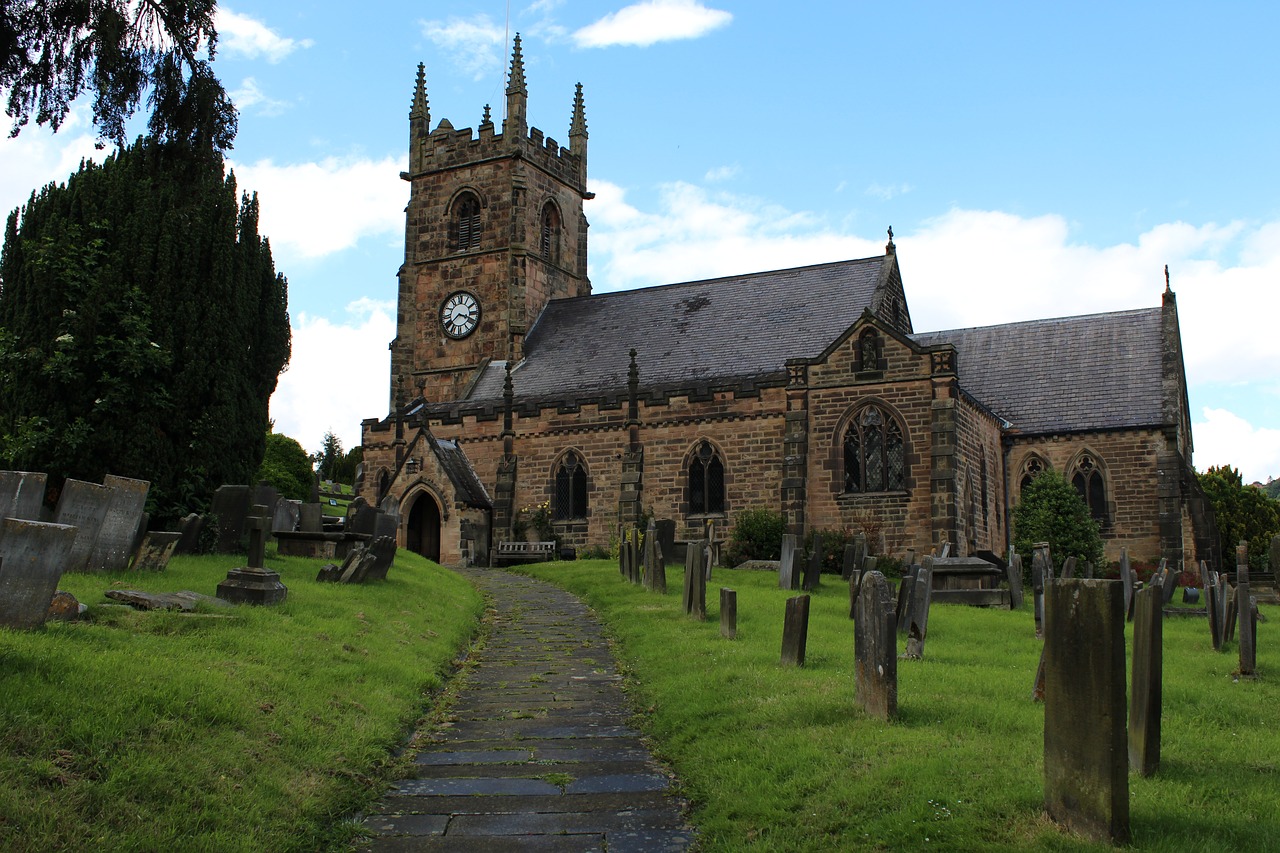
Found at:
[1051, 510]
[330, 456]
[1242, 514]
[142, 327]
[286, 466]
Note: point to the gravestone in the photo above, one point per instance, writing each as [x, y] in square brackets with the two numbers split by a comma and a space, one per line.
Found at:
[285, 519]
[902, 612]
[254, 584]
[1069, 567]
[189, 534]
[361, 518]
[265, 494]
[1086, 765]
[1014, 570]
[1148, 666]
[666, 539]
[1245, 609]
[728, 613]
[386, 524]
[114, 545]
[1212, 605]
[32, 555]
[795, 630]
[814, 569]
[655, 568]
[383, 549]
[637, 556]
[921, 595]
[388, 504]
[855, 584]
[1126, 577]
[850, 562]
[231, 506]
[787, 565]
[154, 552]
[875, 648]
[82, 506]
[21, 494]
[310, 518]
[859, 546]
[695, 581]
[1041, 573]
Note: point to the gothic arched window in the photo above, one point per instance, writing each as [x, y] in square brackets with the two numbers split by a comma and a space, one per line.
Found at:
[875, 454]
[550, 238]
[706, 481]
[464, 225]
[1087, 478]
[570, 488]
[1032, 468]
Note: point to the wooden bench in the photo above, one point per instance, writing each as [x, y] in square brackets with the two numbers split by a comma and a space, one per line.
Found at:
[523, 552]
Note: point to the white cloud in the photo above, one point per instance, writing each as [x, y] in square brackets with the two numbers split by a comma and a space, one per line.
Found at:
[722, 173]
[250, 96]
[473, 44]
[310, 210]
[337, 375]
[1224, 438]
[885, 193]
[247, 37]
[38, 156]
[652, 21]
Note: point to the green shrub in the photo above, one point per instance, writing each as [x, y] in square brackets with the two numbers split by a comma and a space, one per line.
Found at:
[834, 541]
[756, 535]
[1052, 511]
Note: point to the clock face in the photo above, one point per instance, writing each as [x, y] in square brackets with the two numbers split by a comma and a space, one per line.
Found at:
[460, 314]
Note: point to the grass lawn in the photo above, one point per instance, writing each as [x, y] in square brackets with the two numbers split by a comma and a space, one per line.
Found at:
[248, 729]
[777, 758]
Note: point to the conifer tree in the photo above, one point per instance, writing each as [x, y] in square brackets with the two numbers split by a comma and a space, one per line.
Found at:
[142, 327]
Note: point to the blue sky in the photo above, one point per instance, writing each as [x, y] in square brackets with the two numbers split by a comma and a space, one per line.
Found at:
[1034, 160]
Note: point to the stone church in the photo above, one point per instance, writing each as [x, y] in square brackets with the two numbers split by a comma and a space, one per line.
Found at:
[807, 391]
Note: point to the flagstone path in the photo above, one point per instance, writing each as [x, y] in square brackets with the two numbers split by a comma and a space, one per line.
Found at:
[539, 755]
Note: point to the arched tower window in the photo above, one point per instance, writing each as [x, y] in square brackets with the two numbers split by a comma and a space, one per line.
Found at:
[1088, 480]
[706, 481]
[1033, 467]
[464, 224]
[550, 237]
[570, 488]
[868, 351]
[875, 453]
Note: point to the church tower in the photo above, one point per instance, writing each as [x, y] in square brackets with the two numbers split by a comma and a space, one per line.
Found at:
[494, 230]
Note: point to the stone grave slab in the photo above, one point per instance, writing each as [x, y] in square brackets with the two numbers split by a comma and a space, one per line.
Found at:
[1146, 681]
[82, 506]
[32, 557]
[114, 545]
[875, 648]
[795, 630]
[155, 551]
[21, 494]
[286, 517]
[787, 566]
[231, 506]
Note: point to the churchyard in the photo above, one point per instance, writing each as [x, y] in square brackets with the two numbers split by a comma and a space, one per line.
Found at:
[781, 757]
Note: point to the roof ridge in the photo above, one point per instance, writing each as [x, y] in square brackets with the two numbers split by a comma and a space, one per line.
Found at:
[1042, 320]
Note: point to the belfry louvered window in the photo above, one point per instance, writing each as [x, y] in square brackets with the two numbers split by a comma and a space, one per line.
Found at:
[466, 223]
[550, 246]
[875, 453]
[571, 488]
[706, 481]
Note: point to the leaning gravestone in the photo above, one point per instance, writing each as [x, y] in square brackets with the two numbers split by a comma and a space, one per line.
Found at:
[1041, 575]
[902, 612]
[383, 549]
[21, 494]
[1245, 609]
[154, 552]
[813, 571]
[875, 648]
[32, 555]
[921, 596]
[1086, 766]
[850, 562]
[114, 546]
[795, 630]
[1015, 582]
[1148, 668]
[231, 506]
[787, 566]
[189, 534]
[82, 506]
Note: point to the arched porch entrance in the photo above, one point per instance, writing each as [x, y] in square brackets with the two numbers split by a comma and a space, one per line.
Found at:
[422, 532]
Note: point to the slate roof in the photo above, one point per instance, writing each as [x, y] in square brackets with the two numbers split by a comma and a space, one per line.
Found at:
[465, 482]
[700, 332]
[1098, 371]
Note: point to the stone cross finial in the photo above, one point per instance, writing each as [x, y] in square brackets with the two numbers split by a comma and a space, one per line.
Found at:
[889, 247]
[1166, 278]
[486, 119]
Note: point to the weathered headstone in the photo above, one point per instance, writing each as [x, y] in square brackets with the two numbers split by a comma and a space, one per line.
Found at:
[795, 630]
[1148, 667]
[82, 506]
[695, 581]
[849, 562]
[813, 570]
[859, 546]
[184, 600]
[666, 528]
[32, 555]
[361, 518]
[728, 613]
[1227, 596]
[383, 549]
[1069, 567]
[1127, 578]
[921, 595]
[285, 519]
[231, 506]
[902, 613]
[310, 518]
[1015, 582]
[655, 567]
[1086, 764]
[1041, 574]
[189, 533]
[154, 552]
[113, 546]
[1245, 613]
[787, 565]
[21, 494]
[855, 584]
[1213, 607]
[875, 649]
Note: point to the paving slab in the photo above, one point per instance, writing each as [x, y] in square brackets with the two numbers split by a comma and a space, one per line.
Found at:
[537, 754]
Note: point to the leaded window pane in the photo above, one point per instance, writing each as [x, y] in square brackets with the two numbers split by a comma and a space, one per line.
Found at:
[852, 460]
[895, 457]
[564, 494]
[579, 493]
[697, 487]
[873, 455]
[715, 485]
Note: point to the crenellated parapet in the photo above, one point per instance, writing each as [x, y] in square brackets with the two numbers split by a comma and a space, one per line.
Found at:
[448, 148]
